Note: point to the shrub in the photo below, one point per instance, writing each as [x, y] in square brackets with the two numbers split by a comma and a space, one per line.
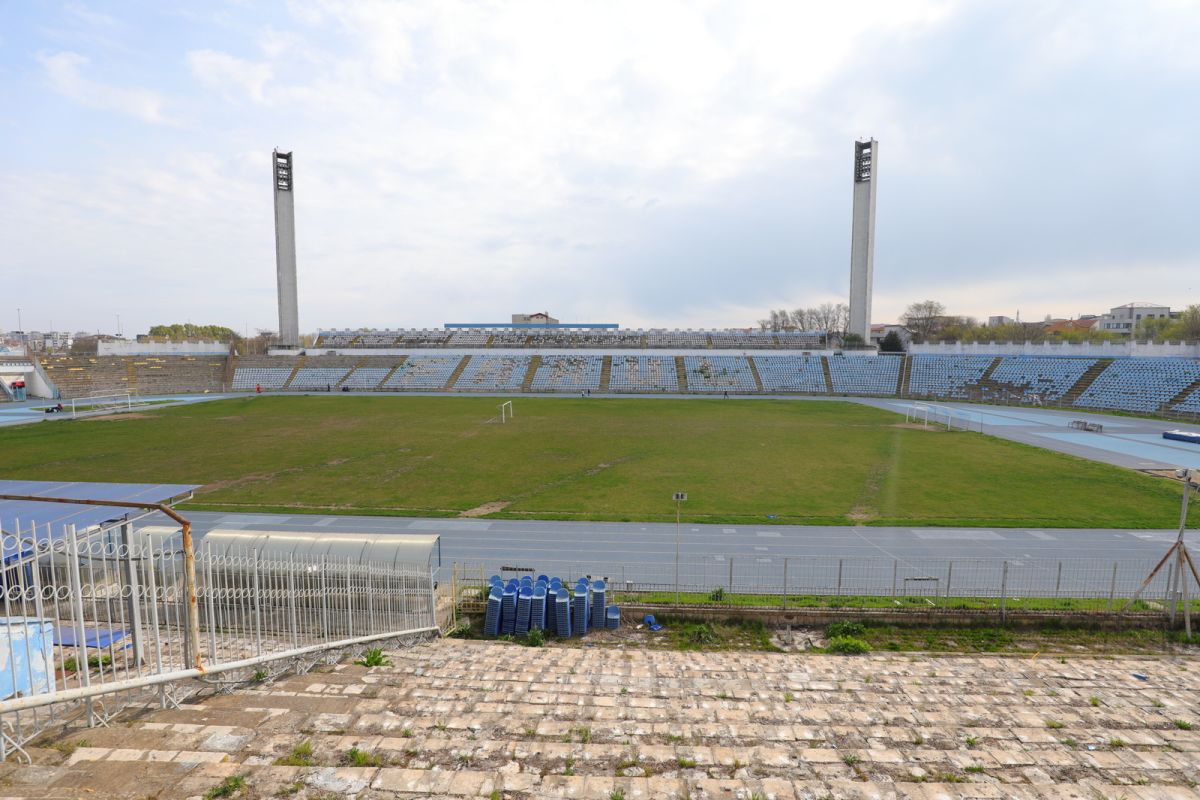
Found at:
[374, 658]
[361, 758]
[716, 595]
[231, 786]
[848, 646]
[536, 638]
[839, 629]
[700, 633]
[301, 756]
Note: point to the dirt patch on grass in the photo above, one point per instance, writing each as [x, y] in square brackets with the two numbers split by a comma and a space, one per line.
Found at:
[915, 426]
[128, 415]
[486, 508]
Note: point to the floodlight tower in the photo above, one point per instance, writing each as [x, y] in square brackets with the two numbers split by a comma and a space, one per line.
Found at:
[285, 250]
[862, 237]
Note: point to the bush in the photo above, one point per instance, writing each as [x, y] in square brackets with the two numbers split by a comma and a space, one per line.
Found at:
[374, 658]
[536, 638]
[848, 646]
[839, 629]
[716, 595]
[700, 633]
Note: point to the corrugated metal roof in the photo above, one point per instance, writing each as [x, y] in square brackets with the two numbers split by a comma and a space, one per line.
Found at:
[56, 515]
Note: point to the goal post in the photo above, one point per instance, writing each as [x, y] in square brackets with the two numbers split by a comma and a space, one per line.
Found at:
[506, 411]
[103, 403]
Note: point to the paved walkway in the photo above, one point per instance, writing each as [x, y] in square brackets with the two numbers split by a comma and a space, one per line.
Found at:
[478, 719]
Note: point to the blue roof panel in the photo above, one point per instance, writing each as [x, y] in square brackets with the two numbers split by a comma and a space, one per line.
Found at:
[56, 515]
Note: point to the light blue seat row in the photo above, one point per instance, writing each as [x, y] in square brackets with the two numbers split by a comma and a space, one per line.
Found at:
[1139, 384]
[494, 373]
[864, 374]
[791, 373]
[1046, 376]
[567, 373]
[946, 376]
[719, 374]
[423, 372]
[643, 374]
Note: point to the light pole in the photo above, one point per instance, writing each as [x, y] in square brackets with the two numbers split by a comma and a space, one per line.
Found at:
[679, 498]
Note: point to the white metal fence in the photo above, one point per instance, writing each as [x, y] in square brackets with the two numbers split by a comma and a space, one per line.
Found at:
[1084, 585]
[94, 624]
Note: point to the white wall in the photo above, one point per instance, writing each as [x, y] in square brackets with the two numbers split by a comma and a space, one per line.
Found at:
[1096, 349]
[459, 352]
[162, 349]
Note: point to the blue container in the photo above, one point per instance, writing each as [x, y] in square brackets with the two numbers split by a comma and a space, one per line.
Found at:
[598, 596]
[491, 618]
[495, 579]
[537, 609]
[580, 613]
[614, 617]
[562, 614]
[524, 607]
[543, 579]
[508, 611]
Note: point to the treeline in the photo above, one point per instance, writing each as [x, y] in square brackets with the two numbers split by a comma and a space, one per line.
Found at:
[827, 317]
[185, 332]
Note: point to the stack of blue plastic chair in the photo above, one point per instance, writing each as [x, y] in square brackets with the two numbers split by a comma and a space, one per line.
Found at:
[562, 613]
[537, 609]
[614, 617]
[581, 610]
[598, 604]
[524, 605]
[491, 618]
[508, 610]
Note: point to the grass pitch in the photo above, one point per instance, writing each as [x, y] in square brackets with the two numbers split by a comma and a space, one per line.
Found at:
[741, 461]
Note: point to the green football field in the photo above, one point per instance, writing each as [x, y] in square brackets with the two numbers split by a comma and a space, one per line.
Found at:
[756, 461]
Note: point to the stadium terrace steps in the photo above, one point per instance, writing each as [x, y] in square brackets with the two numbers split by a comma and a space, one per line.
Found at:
[1180, 396]
[1086, 380]
[534, 362]
[605, 374]
[456, 718]
[296, 369]
[457, 373]
[828, 375]
[78, 376]
[681, 373]
[904, 378]
[754, 371]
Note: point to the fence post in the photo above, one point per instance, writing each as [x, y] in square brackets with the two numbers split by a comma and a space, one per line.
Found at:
[349, 595]
[839, 586]
[1058, 582]
[895, 570]
[291, 575]
[731, 574]
[324, 598]
[76, 594]
[257, 610]
[1112, 587]
[949, 575]
[135, 608]
[210, 590]
[785, 586]
[1003, 594]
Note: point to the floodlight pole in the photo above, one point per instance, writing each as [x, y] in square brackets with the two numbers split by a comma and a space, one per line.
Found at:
[679, 498]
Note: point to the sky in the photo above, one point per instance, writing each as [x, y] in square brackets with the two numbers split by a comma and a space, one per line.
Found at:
[653, 164]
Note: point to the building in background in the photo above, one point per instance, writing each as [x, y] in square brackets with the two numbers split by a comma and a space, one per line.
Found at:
[536, 318]
[1124, 319]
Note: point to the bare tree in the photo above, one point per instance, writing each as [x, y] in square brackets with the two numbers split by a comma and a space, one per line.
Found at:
[800, 319]
[922, 318]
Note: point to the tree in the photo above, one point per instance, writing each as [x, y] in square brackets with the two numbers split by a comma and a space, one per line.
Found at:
[178, 332]
[1188, 325]
[891, 343]
[922, 318]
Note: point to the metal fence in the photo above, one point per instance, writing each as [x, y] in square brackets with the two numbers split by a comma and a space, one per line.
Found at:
[96, 623]
[1084, 585]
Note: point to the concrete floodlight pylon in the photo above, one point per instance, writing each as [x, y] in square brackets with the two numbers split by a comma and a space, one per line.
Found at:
[285, 249]
[862, 237]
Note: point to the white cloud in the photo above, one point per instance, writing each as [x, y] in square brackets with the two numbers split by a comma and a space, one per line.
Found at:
[224, 72]
[66, 73]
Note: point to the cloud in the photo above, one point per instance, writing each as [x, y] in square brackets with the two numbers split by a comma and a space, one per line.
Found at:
[224, 72]
[65, 72]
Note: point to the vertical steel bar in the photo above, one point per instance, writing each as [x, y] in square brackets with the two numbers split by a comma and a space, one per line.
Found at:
[1004, 594]
[839, 579]
[256, 590]
[1112, 587]
[1058, 582]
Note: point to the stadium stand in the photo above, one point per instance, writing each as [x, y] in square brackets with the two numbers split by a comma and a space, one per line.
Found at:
[309, 378]
[493, 373]
[800, 340]
[864, 374]
[83, 376]
[366, 377]
[422, 372]
[643, 374]
[469, 338]
[719, 374]
[1048, 377]
[946, 376]
[567, 373]
[250, 378]
[742, 340]
[791, 373]
[1139, 384]
[570, 338]
[663, 338]
[1190, 404]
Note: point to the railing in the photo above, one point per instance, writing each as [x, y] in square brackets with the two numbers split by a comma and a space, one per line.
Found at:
[97, 623]
[1085, 586]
